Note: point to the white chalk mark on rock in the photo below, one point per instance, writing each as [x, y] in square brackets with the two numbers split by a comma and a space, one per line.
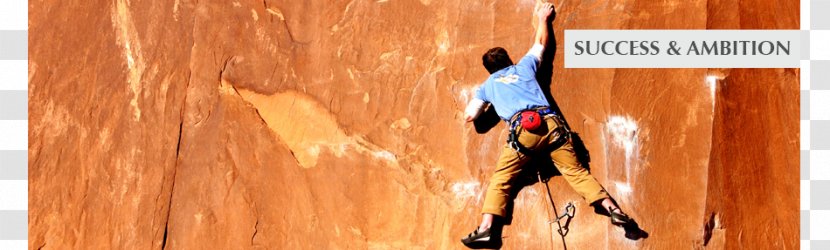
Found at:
[402, 123]
[623, 132]
[127, 36]
[254, 15]
[385, 155]
[467, 93]
[276, 12]
[465, 190]
[712, 83]
[176, 10]
[442, 41]
[623, 188]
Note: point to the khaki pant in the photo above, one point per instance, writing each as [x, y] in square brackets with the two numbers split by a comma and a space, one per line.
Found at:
[510, 164]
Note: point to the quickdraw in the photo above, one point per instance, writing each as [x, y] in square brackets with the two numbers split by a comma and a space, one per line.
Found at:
[568, 214]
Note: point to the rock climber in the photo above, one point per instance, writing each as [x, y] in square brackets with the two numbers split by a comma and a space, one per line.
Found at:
[518, 99]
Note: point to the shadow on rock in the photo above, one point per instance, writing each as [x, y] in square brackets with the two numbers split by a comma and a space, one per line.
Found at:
[581, 151]
[541, 165]
[633, 231]
[485, 245]
[487, 120]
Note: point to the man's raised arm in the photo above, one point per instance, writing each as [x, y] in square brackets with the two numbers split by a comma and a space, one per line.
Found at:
[545, 14]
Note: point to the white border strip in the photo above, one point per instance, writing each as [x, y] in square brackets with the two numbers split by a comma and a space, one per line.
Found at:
[14, 195]
[14, 74]
[14, 15]
[14, 135]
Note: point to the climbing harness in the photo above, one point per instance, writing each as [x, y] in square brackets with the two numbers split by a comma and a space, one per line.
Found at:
[531, 119]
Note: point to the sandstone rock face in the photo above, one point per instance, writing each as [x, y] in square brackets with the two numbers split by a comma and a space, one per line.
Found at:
[336, 125]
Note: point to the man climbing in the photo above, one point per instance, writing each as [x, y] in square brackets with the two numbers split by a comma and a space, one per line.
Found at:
[534, 129]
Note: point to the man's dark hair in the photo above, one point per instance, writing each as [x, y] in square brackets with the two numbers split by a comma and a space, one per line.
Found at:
[496, 59]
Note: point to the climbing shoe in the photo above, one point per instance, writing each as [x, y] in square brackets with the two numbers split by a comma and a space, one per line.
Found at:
[482, 239]
[618, 217]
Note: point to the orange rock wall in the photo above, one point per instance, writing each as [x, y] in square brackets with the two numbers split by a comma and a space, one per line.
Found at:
[336, 125]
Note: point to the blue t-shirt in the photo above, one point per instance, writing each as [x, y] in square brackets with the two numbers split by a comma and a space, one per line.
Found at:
[514, 88]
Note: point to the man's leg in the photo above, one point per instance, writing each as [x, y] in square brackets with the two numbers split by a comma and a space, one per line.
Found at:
[495, 200]
[498, 192]
[577, 176]
[584, 183]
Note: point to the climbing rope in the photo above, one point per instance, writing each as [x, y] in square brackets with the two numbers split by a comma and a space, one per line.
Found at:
[570, 209]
